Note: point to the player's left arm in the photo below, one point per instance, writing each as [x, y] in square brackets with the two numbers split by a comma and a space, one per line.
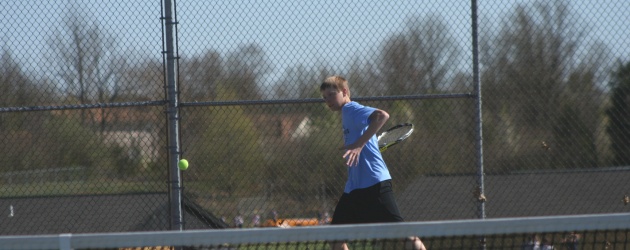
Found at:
[377, 119]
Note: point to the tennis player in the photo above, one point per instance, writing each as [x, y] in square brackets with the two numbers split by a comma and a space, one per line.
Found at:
[368, 196]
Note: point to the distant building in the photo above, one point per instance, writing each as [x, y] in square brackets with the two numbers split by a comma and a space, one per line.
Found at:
[284, 126]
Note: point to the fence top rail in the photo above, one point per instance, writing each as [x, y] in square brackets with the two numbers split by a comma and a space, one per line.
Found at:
[81, 106]
[319, 100]
[227, 103]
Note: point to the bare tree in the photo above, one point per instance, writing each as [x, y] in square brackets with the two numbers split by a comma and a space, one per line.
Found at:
[537, 86]
[16, 88]
[86, 62]
[299, 82]
[245, 68]
[420, 60]
[201, 75]
[142, 81]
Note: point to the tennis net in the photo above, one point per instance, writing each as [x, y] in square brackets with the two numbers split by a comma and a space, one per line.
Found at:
[597, 231]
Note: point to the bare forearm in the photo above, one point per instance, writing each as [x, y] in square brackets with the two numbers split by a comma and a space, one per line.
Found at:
[377, 119]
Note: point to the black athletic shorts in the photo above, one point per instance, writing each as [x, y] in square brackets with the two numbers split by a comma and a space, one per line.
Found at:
[373, 204]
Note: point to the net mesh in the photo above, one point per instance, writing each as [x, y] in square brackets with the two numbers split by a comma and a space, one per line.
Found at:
[604, 231]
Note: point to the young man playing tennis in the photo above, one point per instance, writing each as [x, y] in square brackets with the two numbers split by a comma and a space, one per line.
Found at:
[368, 196]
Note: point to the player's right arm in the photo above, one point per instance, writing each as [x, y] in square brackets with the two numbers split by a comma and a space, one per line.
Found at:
[377, 119]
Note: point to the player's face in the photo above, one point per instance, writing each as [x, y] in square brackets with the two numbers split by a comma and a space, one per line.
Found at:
[333, 98]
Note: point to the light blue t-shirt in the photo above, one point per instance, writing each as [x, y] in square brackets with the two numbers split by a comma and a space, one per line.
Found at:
[371, 168]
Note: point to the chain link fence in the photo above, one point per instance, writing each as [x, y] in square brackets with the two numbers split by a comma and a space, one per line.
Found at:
[84, 110]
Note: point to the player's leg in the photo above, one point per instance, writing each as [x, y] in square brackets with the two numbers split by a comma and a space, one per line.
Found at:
[414, 243]
[386, 210]
[339, 246]
[345, 211]
[344, 214]
[380, 203]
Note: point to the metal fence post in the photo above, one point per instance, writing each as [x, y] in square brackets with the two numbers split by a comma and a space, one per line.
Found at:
[481, 201]
[175, 190]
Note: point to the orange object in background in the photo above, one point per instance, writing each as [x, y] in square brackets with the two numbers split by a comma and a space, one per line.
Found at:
[294, 222]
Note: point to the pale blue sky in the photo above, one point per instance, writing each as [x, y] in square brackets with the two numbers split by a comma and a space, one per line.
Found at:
[291, 32]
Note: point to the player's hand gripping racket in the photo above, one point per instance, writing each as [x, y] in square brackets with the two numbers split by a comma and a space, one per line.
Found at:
[394, 135]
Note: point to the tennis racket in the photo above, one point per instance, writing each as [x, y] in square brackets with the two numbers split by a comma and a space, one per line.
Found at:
[394, 135]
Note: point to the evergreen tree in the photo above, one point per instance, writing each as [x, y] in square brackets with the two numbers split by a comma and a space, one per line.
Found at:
[619, 115]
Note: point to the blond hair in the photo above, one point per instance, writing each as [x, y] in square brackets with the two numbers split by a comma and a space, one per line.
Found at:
[335, 82]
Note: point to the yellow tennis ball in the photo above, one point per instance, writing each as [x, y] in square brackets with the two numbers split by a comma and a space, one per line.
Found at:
[183, 164]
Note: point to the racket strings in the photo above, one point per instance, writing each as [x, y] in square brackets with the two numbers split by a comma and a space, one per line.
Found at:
[394, 135]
